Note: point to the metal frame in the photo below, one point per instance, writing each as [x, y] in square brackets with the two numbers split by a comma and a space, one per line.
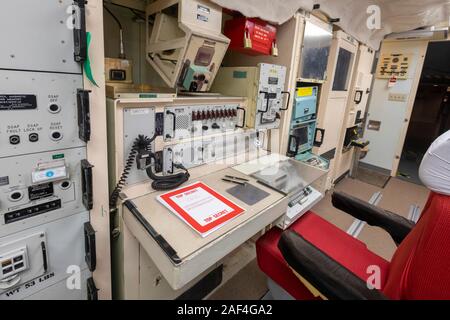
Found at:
[97, 149]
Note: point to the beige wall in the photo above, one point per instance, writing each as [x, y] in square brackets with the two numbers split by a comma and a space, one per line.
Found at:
[134, 44]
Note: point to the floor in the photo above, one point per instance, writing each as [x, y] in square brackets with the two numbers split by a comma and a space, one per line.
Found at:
[248, 284]
[372, 177]
[408, 170]
[397, 196]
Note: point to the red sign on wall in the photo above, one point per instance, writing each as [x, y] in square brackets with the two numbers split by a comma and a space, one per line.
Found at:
[251, 36]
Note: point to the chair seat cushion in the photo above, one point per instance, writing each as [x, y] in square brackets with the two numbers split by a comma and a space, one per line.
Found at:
[337, 244]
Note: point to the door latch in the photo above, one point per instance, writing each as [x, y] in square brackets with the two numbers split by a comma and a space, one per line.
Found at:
[84, 116]
[79, 30]
[89, 246]
[319, 136]
[86, 184]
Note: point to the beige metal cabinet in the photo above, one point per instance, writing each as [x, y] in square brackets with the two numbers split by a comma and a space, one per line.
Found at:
[356, 108]
[334, 96]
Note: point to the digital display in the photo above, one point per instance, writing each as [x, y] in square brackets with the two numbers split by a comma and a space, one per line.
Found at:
[270, 95]
[204, 56]
[273, 80]
[302, 135]
[118, 75]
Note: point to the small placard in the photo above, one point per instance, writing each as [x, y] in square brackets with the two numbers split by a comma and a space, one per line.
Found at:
[305, 92]
[374, 125]
[239, 74]
[203, 9]
[138, 112]
[17, 102]
[4, 181]
[148, 95]
[58, 156]
[202, 17]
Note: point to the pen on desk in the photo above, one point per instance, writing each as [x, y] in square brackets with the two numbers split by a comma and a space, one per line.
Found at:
[234, 181]
[236, 178]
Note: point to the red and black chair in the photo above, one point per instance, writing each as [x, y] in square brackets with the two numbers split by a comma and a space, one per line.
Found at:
[314, 256]
[315, 259]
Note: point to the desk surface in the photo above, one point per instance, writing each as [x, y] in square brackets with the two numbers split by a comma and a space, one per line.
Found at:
[179, 235]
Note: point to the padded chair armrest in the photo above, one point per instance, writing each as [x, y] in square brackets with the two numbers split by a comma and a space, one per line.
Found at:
[329, 277]
[397, 226]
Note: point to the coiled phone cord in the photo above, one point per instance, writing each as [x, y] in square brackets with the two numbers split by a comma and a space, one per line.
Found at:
[168, 182]
[143, 144]
[138, 144]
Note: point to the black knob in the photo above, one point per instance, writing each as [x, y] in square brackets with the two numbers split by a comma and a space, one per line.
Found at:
[215, 126]
[204, 128]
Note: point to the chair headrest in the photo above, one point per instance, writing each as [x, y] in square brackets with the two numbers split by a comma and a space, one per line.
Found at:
[434, 170]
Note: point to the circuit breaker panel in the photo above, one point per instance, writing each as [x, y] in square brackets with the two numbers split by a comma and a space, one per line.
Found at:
[186, 132]
[183, 122]
[45, 178]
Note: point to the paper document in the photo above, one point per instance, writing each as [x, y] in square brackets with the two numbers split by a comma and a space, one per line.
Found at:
[199, 206]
